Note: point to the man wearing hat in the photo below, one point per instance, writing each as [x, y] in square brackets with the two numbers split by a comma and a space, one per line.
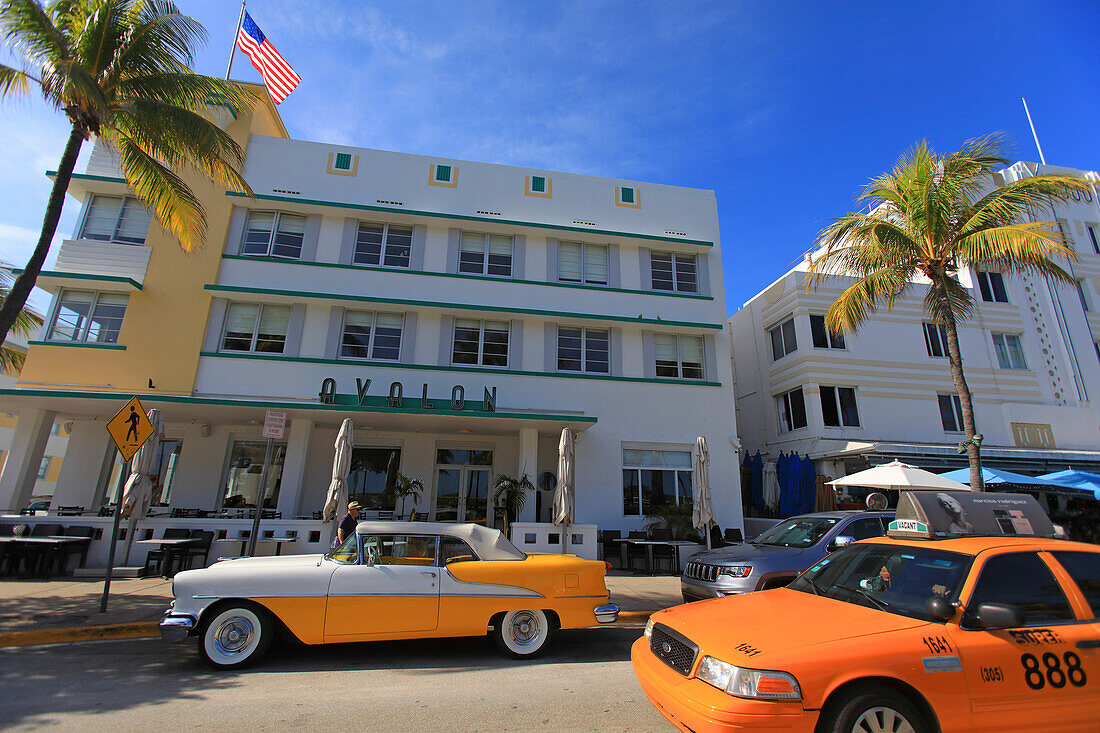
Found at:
[347, 524]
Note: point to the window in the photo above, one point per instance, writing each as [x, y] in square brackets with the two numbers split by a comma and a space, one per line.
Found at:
[44, 467]
[480, 342]
[992, 287]
[343, 162]
[383, 244]
[85, 316]
[838, 407]
[486, 254]
[1065, 237]
[255, 327]
[372, 335]
[168, 456]
[1094, 237]
[792, 410]
[951, 412]
[452, 549]
[673, 272]
[1083, 296]
[246, 465]
[1084, 568]
[399, 549]
[1010, 355]
[783, 339]
[626, 195]
[116, 219]
[1022, 580]
[935, 340]
[862, 529]
[583, 350]
[823, 337]
[678, 356]
[582, 263]
[443, 173]
[655, 478]
[274, 234]
[373, 476]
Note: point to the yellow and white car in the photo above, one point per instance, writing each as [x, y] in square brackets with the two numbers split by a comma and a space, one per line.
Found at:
[391, 580]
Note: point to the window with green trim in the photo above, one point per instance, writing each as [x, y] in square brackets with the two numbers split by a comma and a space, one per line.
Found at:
[116, 219]
[86, 316]
[256, 328]
[627, 195]
[674, 272]
[372, 335]
[443, 173]
[343, 162]
[678, 356]
[538, 184]
[387, 245]
[583, 350]
[274, 234]
[482, 343]
[582, 263]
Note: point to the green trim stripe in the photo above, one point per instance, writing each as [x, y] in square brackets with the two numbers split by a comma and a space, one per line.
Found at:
[464, 217]
[283, 405]
[462, 276]
[90, 177]
[78, 345]
[390, 365]
[86, 276]
[458, 306]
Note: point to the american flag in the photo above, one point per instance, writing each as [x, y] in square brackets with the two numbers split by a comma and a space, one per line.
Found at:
[277, 74]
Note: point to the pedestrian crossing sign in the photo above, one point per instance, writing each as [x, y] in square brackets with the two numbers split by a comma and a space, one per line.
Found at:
[130, 428]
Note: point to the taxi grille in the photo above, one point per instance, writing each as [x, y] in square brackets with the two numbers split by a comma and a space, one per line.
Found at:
[702, 571]
[673, 648]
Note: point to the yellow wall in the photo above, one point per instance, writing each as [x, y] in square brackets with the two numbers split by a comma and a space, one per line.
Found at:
[165, 322]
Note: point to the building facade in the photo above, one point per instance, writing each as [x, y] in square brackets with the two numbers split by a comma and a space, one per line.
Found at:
[462, 314]
[1030, 356]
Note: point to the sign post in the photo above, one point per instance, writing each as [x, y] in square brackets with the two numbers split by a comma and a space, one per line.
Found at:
[274, 427]
[129, 430]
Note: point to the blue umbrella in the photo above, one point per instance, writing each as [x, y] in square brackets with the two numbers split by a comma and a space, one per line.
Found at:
[996, 476]
[1080, 480]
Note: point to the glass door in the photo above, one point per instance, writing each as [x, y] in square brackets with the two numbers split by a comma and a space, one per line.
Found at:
[462, 485]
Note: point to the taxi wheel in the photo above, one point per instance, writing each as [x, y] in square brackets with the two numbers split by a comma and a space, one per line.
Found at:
[872, 709]
[235, 636]
[522, 634]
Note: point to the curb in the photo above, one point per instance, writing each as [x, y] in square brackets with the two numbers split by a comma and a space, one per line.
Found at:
[138, 630]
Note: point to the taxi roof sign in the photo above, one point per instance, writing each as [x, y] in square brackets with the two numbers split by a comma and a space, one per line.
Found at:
[130, 428]
[942, 514]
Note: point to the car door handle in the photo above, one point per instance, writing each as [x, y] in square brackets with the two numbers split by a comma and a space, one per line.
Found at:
[428, 575]
[1089, 644]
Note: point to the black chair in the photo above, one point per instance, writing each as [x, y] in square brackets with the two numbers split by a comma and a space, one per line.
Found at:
[62, 553]
[162, 558]
[201, 548]
[662, 553]
[107, 510]
[608, 544]
[34, 558]
[733, 535]
[70, 511]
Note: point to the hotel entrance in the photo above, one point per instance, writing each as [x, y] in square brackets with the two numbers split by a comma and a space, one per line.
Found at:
[462, 485]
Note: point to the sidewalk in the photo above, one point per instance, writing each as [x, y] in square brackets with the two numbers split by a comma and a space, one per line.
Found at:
[54, 611]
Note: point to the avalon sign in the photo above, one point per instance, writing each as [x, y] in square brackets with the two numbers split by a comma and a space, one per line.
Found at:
[396, 397]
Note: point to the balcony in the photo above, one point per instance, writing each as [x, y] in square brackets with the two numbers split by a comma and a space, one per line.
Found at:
[101, 265]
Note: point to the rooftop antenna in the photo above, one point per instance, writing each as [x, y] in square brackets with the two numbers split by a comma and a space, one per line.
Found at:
[1035, 135]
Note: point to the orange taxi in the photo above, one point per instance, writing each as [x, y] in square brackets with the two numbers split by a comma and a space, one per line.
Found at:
[952, 632]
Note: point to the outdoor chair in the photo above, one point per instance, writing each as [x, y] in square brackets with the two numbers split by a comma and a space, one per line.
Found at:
[70, 511]
[607, 543]
[201, 548]
[60, 555]
[34, 557]
[163, 558]
[635, 551]
[662, 553]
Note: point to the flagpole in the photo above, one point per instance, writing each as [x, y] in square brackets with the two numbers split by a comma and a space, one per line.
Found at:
[233, 52]
[1035, 135]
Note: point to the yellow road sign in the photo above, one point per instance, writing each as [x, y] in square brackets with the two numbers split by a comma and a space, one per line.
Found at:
[130, 428]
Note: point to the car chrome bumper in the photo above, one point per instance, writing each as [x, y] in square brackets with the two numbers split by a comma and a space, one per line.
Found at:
[607, 614]
[174, 628]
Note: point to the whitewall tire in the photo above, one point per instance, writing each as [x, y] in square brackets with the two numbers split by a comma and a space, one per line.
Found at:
[235, 636]
[522, 634]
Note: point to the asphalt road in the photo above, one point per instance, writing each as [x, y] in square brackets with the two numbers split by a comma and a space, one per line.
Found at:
[583, 683]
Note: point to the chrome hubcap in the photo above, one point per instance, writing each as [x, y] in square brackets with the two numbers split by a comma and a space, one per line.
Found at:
[525, 628]
[233, 635]
[882, 720]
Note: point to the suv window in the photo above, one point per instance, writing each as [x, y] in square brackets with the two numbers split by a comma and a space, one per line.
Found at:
[863, 528]
[1084, 568]
[1022, 580]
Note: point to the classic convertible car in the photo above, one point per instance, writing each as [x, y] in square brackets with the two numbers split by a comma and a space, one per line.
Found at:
[391, 580]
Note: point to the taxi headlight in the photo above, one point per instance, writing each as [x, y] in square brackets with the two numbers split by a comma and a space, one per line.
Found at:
[649, 629]
[761, 684]
[736, 571]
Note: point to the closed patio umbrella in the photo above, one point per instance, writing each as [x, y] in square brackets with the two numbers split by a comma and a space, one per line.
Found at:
[563, 493]
[898, 475]
[138, 492]
[702, 510]
[341, 463]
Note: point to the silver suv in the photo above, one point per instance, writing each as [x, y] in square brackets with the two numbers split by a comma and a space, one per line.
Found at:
[777, 555]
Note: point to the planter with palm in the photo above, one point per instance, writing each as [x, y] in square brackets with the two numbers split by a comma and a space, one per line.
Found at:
[929, 217]
[674, 517]
[120, 71]
[511, 493]
[404, 487]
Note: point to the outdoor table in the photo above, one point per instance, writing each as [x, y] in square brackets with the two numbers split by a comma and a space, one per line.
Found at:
[279, 542]
[43, 545]
[168, 547]
[624, 549]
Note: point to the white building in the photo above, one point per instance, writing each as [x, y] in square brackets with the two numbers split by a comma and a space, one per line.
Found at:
[461, 313]
[1030, 356]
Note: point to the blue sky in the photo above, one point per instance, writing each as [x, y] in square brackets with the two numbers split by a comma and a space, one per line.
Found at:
[783, 108]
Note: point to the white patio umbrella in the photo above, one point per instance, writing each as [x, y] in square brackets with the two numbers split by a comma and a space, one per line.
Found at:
[702, 509]
[563, 493]
[341, 464]
[898, 475]
[138, 492]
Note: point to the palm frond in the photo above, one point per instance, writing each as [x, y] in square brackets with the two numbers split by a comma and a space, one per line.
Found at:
[867, 294]
[1025, 248]
[958, 297]
[13, 82]
[1020, 200]
[11, 360]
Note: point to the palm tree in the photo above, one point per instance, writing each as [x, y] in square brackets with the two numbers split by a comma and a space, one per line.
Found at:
[512, 494]
[119, 70]
[931, 216]
[404, 487]
[26, 323]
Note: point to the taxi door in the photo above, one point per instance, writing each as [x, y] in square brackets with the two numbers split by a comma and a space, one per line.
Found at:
[394, 590]
[1036, 676]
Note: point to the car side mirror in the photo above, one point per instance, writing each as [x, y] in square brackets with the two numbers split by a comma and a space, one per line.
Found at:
[940, 608]
[999, 616]
[842, 541]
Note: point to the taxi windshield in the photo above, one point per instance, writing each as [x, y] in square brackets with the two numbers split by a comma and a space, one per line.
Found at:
[893, 579]
[797, 532]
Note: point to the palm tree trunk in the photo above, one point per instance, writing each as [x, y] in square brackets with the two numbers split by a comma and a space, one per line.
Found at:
[973, 451]
[21, 290]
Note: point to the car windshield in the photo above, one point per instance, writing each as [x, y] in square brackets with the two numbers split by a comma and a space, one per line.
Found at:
[893, 579]
[797, 532]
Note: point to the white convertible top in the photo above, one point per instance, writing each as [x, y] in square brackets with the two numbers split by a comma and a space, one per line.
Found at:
[489, 544]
